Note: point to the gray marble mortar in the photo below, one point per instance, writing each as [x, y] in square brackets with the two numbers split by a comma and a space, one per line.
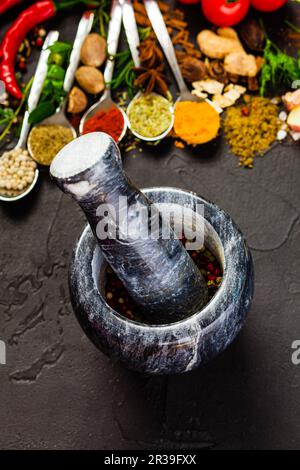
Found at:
[175, 347]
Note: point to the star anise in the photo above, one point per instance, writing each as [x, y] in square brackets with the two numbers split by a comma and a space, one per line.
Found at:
[150, 54]
[151, 73]
[151, 80]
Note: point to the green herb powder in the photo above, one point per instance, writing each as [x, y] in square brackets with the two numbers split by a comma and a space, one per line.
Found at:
[150, 115]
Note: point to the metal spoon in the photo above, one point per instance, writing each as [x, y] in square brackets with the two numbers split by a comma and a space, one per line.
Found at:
[132, 35]
[131, 30]
[59, 118]
[106, 102]
[160, 29]
[32, 101]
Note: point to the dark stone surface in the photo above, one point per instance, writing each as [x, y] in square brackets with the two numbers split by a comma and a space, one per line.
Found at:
[58, 391]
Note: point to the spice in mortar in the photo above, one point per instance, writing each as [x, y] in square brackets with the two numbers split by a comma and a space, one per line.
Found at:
[17, 172]
[251, 128]
[110, 121]
[196, 122]
[46, 141]
[119, 299]
[150, 115]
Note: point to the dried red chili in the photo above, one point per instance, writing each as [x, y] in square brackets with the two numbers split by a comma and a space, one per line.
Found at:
[27, 20]
[13, 38]
[110, 121]
[6, 4]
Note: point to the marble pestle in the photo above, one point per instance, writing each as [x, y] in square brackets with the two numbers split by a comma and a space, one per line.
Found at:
[158, 273]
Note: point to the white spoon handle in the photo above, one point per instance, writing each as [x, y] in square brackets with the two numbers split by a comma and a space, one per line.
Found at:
[160, 29]
[84, 27]
[37, 85]
[114, 29]
[131, 30]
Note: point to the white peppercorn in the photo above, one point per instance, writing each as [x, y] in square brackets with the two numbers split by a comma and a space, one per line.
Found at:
[17, 171]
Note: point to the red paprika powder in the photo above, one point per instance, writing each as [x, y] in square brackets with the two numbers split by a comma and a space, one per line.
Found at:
[110, 121]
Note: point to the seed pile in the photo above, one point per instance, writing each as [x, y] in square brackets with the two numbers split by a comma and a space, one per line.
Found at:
[118, 298]
[251, 128]
[16, 172]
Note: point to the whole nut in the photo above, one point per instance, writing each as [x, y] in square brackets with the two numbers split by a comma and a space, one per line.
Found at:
[77, 101]
[93, 50]
[90, 79]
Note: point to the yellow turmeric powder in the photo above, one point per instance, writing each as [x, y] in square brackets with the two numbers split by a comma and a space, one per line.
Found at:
[196, 122]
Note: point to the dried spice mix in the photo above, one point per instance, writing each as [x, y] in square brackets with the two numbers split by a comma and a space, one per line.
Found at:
[110, 121]
[45, 141]
[251, 128]
[150, 115]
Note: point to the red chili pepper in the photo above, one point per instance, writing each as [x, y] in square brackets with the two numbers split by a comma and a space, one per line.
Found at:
[6, 4]
[27, 20]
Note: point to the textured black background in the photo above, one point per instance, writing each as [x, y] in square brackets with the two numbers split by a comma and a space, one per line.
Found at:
[57, 391]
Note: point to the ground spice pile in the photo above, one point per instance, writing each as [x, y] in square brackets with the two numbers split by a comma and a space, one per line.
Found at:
[251, 128]
[45, 141]
[195, 122]
[110, 121]
[118, 298]
[150, 115]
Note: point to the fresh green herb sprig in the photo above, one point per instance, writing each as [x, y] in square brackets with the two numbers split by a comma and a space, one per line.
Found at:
[102, 16]
[6, 115]
[124, 72]
[53, 91]
[12, 115]
[279, 69]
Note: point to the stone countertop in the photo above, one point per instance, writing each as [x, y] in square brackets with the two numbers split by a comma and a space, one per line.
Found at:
[59, 392]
